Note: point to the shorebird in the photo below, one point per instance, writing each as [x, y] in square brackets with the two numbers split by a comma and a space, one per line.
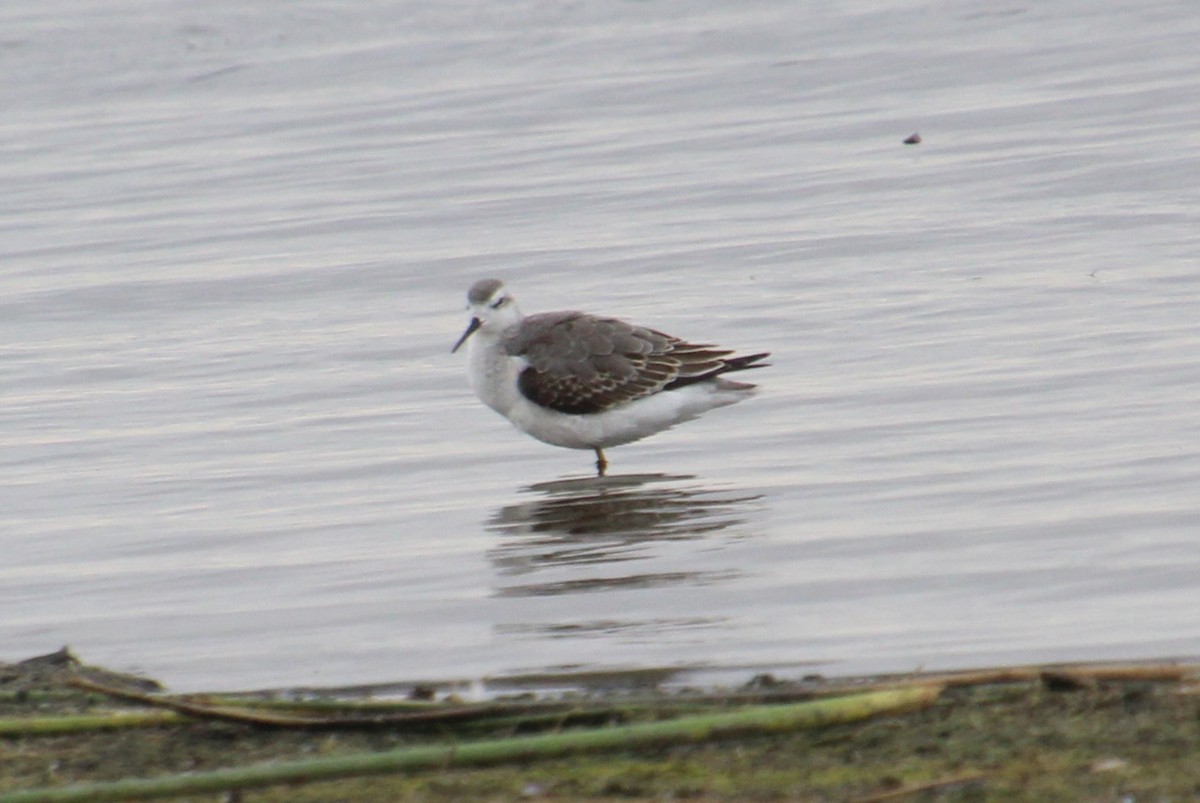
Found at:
[586, 382]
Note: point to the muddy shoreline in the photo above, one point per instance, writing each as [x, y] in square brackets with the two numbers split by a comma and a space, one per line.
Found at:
[1030, 733]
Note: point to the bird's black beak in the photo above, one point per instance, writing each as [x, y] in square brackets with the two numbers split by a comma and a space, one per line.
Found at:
[471, 327]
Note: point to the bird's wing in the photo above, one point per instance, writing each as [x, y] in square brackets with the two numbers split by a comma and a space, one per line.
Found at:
[579, 363]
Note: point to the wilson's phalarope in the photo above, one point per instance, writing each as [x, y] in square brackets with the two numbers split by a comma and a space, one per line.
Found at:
[585, 382]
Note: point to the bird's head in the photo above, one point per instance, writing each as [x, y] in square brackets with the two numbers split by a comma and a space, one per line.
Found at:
[492, 307]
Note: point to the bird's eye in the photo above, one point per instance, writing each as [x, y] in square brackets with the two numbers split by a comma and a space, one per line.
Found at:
[499, 302]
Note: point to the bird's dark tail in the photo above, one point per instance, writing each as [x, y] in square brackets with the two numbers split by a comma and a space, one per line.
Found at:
[728, 365]
[745, 363]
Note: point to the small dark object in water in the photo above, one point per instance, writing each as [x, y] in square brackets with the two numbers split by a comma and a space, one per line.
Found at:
[913, 139]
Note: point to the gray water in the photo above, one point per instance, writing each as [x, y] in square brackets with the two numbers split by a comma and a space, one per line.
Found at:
[235, 450]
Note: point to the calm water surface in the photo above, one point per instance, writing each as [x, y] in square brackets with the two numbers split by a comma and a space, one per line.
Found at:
[235, 450]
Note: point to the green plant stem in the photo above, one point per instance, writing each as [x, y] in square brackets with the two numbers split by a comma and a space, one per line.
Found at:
[80, 723]
[755, 719]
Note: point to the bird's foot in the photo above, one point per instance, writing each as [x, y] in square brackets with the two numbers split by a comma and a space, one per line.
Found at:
[601, 462]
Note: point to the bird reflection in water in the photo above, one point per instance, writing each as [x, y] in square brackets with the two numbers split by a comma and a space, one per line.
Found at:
[576, 531]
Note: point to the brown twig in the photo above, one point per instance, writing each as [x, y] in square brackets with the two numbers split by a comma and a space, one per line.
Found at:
[912, 789]
[245, 716]
[1079, 675]
[1090, 675]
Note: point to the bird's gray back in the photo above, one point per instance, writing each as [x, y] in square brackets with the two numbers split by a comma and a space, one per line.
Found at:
[580, 363]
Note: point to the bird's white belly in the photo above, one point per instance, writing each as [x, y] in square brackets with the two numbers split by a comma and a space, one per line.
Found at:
[622, 424]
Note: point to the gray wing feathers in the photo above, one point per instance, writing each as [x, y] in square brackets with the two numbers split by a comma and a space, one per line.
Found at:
[579, 363]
